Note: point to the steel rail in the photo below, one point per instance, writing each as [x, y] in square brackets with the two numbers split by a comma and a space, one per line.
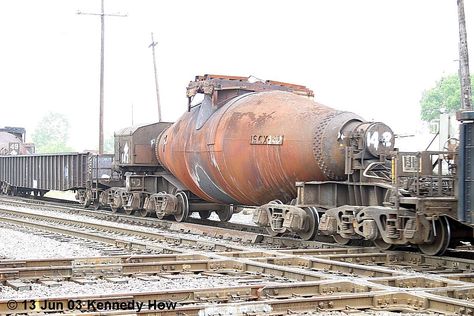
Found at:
[337, 279]
[137, 233]
[219, 227]
[225, 301]
[225, 230]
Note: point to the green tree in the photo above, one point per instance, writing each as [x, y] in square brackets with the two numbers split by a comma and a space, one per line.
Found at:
[445, 95]
[109, 144]
[51, 134]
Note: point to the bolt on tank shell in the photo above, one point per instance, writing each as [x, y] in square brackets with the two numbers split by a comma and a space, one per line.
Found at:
[254, 147]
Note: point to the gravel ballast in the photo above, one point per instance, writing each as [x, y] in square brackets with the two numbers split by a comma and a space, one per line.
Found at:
[21, 245]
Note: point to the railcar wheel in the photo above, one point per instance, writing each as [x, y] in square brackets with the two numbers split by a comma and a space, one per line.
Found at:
[128, 211]
[96, 205]
[382, 245]
[226, 214]
[143, 212]
[311, 224]
[204, 214]
[341, 240]
[116, 204]
[183, 207]
[440, 241]
[114, 209]
[87, 199]
[272, 232]
[159, 215]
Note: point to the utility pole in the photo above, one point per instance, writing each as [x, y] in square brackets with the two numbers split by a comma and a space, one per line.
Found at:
[102, 48]
[152, 45]
[465, 77]
[465, 116]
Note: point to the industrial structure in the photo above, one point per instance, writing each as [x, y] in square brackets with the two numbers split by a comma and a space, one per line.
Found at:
[307, 169]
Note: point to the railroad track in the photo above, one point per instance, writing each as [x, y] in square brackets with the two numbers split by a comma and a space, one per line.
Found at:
[226, 230]
[218, 275]
[126, 235]
[258, 282]
[73, 206]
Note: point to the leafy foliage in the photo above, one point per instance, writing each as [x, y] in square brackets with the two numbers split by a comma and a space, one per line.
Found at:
[109, 144]
[446, 96]
[51, 134]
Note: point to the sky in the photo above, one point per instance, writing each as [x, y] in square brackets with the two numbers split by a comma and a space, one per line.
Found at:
[371, 57]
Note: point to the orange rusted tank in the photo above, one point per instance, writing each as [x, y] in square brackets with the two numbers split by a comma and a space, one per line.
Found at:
[249, 145]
